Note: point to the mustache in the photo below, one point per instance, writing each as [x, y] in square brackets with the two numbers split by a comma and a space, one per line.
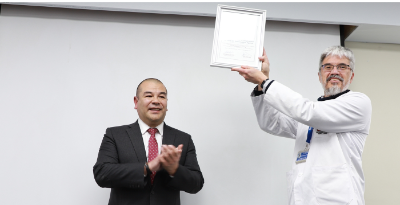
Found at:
[334, 76]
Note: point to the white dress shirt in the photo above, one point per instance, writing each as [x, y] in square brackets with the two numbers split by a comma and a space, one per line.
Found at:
[146, 135]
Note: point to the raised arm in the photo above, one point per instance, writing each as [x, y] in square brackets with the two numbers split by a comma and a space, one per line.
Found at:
[272, 121]
[269, 119]
[349, 112]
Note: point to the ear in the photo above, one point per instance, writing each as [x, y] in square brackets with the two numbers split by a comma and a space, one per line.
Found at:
[135, 100]
[351, 78]
[319, 77]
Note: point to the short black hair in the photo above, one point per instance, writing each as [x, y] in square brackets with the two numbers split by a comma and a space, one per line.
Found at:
[147, 79]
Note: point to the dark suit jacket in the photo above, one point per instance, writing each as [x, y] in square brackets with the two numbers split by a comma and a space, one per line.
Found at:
[120, 164]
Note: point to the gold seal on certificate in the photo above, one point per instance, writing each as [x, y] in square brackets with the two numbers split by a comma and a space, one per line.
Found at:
[238, 37]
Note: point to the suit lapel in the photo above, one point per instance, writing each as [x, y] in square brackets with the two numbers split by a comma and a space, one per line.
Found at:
[168, 135]
[137, 141]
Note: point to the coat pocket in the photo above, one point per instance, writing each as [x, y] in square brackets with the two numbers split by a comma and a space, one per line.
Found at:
[289, 183]
[332, 185]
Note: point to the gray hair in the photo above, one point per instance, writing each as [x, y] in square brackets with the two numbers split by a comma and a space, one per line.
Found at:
[340, 52]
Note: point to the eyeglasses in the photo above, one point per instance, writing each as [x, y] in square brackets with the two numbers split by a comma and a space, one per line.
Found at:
[329, 67]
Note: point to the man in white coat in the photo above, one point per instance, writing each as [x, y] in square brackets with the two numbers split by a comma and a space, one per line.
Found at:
[330, 134]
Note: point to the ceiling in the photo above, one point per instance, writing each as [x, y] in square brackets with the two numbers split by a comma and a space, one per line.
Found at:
[376, 34]
[376, 22]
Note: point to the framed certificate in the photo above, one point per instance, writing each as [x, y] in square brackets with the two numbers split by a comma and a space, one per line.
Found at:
[238, 37]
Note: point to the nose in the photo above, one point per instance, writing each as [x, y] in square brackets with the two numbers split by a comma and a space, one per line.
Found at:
[334, 70]
[155, 101]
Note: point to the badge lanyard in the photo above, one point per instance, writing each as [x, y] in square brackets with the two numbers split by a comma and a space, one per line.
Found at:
[309, 136]
[302, 155]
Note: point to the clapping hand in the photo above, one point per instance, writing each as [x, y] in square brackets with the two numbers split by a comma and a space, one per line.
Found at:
[169, 158]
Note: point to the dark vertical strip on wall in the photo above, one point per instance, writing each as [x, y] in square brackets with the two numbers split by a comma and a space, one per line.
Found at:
[345, 31]
[341, 35]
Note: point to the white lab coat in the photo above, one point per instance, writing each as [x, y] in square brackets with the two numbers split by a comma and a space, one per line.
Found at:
[333, 172]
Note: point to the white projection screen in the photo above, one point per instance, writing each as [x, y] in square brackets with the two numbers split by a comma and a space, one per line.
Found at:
[66, 75]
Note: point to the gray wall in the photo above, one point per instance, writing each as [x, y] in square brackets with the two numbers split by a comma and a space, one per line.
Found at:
[66, 75]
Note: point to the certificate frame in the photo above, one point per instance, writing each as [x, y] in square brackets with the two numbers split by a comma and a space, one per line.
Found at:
[238, 37]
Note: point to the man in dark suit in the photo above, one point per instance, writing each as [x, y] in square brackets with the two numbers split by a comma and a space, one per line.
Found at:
[148, 162]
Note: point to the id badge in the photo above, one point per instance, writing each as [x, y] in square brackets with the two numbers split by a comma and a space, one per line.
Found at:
[302, 155]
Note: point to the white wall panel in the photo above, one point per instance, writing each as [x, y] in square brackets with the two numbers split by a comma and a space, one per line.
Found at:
[66, 75]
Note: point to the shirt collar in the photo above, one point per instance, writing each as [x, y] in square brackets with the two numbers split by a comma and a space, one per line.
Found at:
[144, 127]
[322, 98]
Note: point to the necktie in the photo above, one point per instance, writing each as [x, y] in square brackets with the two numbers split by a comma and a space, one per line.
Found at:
[153, 149]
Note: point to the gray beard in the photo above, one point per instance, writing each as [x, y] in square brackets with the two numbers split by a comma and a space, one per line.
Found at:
[334, 89]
